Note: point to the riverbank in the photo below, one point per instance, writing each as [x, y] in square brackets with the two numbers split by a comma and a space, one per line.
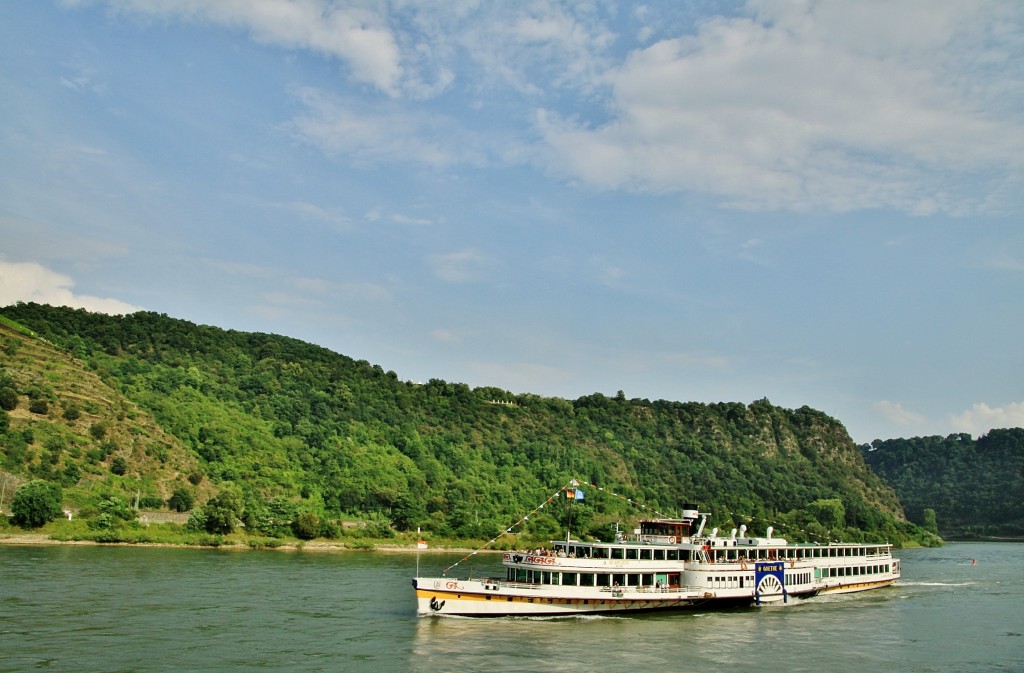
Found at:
[43, 539]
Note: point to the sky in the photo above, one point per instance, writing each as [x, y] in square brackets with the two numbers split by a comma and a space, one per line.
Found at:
[819, 203]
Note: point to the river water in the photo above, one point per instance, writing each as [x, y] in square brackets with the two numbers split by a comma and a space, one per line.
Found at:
[99, 609]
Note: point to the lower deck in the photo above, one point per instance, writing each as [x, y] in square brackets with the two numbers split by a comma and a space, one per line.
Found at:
[493, 597]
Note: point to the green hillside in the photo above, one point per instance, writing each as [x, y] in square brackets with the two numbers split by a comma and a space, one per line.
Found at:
[975, 487]
[278, 422]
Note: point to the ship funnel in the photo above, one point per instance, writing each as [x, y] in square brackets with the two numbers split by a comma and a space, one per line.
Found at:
[743, 530]
[769, 532]
[690, 511]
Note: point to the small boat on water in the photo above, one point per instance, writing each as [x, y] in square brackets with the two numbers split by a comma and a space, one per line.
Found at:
[665, 563]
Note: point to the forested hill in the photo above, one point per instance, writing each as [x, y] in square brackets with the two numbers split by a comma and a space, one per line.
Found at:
[147, 404]
[973, 486]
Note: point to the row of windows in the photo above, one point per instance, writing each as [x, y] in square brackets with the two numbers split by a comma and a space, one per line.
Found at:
[741, 581]
[623, 553]
[754, 554]
[591, 579]
[732, 554]
[658, 580]
[856, 570]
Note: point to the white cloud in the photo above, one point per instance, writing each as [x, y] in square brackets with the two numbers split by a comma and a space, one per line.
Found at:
[359, 36]
[32, 282]
[896, 413]
[458, 267]
[343, 128]
[981, 418]
[804, 105]
[446, 336]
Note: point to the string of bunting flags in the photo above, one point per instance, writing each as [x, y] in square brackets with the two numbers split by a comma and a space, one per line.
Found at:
[573, 491]
[508, 530]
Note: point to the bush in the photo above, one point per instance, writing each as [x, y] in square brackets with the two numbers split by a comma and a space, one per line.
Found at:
[151, 502]
[330, 529]
[70, 475]
[119, 508]
[181, 500]
[222, 512]
[98, 431]
[306, 526]
[8, 399]
[36, 503]
[39, 407]
[119, 465]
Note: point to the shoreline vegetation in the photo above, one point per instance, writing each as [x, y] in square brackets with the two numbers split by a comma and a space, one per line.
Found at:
[171, 535]
[43, 539]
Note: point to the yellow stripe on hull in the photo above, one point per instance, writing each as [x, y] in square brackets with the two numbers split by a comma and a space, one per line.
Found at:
[859, 586]
[468, 603]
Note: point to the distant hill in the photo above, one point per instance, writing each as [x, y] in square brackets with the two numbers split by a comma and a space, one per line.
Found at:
[143, 404]
[974, 486]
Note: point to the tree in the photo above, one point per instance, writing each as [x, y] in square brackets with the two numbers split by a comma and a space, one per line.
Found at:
[8, 399]
[222, 512]
[306, 526]
[829, 512]
[930, 522]
[181, 500]
[36, 503]
[118, 465]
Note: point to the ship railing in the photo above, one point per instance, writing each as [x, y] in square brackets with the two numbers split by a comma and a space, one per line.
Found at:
[504, 584]
[495, 584]
[641, 590]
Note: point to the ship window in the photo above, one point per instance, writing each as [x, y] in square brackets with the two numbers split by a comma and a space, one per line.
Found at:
[570, 578]
[647, 579]
[632, 554]
[617, 553]
[645, 554]
[673, 554]
[602, 580]
[586, 579]
[659, 554]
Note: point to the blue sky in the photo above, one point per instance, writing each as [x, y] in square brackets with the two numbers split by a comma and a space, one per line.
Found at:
[815, 202]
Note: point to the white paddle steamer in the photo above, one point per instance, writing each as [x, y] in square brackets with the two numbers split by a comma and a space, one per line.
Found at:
[664, 564]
